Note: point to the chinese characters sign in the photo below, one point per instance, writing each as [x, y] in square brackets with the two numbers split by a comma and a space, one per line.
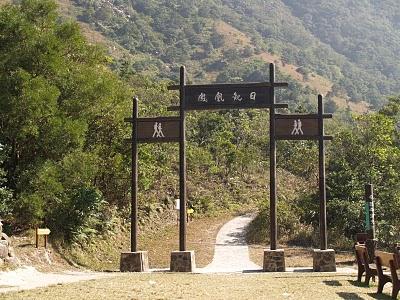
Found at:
[296, 127]
[227, 96]
[158, 130]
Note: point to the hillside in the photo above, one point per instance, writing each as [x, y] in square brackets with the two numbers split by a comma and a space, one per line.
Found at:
[232, 40]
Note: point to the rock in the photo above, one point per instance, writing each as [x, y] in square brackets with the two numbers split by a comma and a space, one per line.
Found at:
[11, 252]
[182, 261]
[12, 261]
[4, 242]
[134, 261]
[274, 260]
[324, 260]
[5, 237]
[3, 251]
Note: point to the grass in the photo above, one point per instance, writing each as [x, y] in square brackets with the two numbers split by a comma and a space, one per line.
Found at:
[209, 286]
[104, 254]
[201, 234]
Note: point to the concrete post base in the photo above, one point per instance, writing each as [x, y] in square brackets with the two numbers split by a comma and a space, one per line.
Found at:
[182, 261]
[274, 260]
[324, 260]
[134, 261]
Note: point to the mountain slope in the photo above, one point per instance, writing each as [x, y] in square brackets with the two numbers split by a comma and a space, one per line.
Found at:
[343, 48]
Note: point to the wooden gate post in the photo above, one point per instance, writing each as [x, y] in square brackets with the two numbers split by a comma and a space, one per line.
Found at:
[134, 261]
[182, 163]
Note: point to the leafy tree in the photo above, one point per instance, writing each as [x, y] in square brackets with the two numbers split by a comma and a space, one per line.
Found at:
[59, 101]
[365, 153]
[5, 192]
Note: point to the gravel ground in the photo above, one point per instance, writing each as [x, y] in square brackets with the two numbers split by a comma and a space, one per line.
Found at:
[26, 278]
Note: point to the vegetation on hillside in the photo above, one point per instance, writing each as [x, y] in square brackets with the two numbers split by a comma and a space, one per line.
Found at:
[352, 45]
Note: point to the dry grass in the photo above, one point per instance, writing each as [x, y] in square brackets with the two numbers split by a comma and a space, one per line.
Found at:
[235, 39]
[361, 107]
[44, 260]
[104, 254]
[201, 234]
[211, 286]
[299, 257]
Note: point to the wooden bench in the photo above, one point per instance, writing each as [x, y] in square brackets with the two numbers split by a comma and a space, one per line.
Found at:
[390, 260]
[364, 265]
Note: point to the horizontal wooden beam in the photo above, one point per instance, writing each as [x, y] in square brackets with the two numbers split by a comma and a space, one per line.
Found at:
[157, 119]
[232, 85]
[303, 116]
[227, 107]
[303, 138]
[154, 141]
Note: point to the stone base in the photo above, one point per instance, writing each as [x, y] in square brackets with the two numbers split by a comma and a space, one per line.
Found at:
[274, 260]
[182, 261]
[134, 261]
[324, 260]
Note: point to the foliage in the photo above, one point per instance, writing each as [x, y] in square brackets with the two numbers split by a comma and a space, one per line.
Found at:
[5, 192]
[64, 162]
[367, 152]
[353, 45]
[50, 78]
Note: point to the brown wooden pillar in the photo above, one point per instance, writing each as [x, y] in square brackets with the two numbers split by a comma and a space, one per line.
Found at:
[322, 184]
[134, 182]
[272, 159]
[182, 163]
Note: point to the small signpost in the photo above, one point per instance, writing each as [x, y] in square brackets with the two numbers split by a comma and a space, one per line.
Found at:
[41, 232]
[369, 211]
[370, 242]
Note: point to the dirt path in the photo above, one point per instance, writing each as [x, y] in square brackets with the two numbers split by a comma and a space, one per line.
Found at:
[26, 278]
[231, 251]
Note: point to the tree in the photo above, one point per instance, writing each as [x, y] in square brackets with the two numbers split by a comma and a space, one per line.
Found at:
[5, 192]
[59, 103]
[365, 153]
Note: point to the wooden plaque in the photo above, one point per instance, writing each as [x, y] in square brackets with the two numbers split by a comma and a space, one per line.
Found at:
[297, 127]
[229, 96]
[158, 130]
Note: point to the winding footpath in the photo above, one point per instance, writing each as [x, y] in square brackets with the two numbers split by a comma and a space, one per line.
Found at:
[231, 251]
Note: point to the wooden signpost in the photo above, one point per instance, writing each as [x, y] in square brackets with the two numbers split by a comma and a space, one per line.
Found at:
[145, 130]
[229, 96]
[41, 232]
[311, 127]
